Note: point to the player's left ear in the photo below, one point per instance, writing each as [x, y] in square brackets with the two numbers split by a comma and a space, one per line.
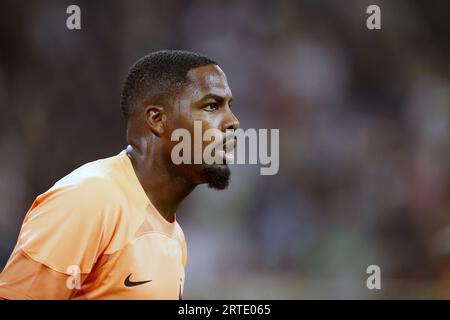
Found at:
[156, 118]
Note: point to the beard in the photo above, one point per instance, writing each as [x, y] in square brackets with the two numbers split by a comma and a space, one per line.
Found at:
[217, 176]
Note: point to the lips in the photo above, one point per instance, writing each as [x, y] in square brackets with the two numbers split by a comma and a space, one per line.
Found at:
[228, 148]
[225, 155]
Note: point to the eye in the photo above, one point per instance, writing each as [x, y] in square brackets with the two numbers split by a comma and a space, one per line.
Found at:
[211, 107]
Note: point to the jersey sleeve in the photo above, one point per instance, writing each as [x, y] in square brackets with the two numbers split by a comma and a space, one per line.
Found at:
[63, 234]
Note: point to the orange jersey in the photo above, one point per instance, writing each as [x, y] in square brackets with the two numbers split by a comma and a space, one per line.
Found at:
[96, 235]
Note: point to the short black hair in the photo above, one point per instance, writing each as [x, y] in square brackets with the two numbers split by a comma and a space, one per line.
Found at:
[154, 77]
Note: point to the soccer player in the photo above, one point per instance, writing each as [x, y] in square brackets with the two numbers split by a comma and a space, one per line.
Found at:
[108, 229]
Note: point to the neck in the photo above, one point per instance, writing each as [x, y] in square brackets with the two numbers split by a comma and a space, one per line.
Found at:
[165, 189]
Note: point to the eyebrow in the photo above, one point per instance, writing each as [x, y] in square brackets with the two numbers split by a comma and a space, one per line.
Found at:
[216, 97]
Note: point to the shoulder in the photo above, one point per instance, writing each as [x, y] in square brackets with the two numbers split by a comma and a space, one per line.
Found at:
[91, 186]
[99, 190]
[90, 197]
[77, 217]
[97, 176]
[87, 197]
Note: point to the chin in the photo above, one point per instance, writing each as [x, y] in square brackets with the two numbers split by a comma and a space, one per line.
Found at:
[217, 176]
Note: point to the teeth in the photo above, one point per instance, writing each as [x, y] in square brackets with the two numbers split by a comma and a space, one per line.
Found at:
[228, 157]
[229, 145]
[224, 156]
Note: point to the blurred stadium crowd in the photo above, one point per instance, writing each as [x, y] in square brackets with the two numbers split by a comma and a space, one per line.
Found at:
[364, 134]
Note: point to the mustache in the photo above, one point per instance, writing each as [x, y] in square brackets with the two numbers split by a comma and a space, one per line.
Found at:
[227, 143]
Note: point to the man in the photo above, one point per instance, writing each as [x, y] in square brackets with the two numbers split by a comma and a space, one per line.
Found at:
[108, 230]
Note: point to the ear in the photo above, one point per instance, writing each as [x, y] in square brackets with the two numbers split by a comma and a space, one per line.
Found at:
[155, 118]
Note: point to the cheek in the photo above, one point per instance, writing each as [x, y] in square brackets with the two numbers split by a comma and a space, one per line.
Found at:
[210, 121]
[186, 121]
[207, 120]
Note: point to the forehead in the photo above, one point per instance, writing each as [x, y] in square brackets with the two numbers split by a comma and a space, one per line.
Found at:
[208, 79]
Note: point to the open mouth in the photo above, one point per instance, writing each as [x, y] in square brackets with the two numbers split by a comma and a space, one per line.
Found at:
[226, 154]
[228, 148]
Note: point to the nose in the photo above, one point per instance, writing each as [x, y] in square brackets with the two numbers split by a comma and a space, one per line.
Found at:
[230, 122]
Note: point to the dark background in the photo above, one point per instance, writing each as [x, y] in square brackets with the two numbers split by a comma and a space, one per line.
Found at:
[364, 134]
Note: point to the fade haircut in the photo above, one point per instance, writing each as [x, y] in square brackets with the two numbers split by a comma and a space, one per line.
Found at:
[157, 76]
